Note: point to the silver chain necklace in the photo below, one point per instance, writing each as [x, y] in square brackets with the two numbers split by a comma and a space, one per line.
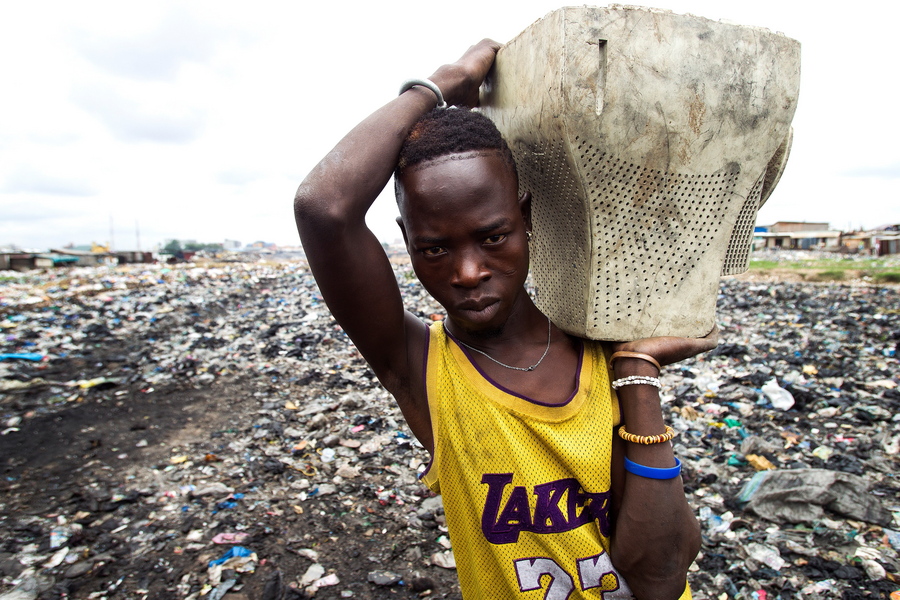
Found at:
[531, 368]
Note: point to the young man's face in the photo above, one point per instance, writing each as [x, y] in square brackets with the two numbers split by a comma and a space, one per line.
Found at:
[464, 226]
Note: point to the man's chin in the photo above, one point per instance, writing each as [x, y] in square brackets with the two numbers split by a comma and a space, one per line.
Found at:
[473, 330]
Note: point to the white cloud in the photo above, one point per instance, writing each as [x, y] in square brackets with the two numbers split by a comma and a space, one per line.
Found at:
[29, 180]
[199, 119]
[157, 54]
[131, 120]
[238, 176]
[876, 171]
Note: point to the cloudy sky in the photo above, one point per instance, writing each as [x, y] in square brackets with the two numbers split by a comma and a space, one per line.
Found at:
[197, 120]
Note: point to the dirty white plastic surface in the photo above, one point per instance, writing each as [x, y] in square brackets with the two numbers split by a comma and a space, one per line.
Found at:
[648, 140]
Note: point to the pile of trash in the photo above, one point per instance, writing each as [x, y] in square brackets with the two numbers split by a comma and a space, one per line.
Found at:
[209, 432]
[792, 428]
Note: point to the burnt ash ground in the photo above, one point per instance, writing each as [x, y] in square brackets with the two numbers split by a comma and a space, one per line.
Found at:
[212, 396]
[72, 461]
[187, 374]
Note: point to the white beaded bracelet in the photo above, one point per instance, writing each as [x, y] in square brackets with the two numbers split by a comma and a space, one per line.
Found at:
[636, 380]
[409, 83]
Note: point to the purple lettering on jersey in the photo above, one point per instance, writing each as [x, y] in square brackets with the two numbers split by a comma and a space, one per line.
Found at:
[516, 513]
[548, 516]
[596, 508]
[502, 525]
[494, 531]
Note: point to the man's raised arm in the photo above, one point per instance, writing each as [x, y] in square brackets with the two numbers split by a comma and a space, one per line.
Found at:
[349, 264]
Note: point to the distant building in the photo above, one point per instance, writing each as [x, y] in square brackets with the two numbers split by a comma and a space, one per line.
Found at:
[71, 255]
[881, 241]
[24, 261]
[886, 239]
[81, 258]
[259, 245]
[797, 235]
[232, 245]
[797, 226]
[127, 257]
[857, 242]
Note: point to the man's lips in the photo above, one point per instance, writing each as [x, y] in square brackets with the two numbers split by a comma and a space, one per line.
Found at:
[476, 305]
[481, 311]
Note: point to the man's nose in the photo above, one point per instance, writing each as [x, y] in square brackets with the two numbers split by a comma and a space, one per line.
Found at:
[470, 270]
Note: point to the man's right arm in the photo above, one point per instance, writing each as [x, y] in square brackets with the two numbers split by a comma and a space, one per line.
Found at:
[350, 266]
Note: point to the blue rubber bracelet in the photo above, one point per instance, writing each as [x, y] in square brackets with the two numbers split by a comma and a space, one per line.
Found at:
[651, 472]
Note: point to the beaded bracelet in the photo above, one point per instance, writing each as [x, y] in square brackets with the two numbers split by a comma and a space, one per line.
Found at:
[636, 380]
[647, 439]
[640, 355]
[653, 472]
[427, 83]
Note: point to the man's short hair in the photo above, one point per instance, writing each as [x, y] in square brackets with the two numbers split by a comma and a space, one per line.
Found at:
[446, 131]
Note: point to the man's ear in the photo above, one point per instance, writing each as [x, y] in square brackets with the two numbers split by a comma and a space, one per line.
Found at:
[525, 207]
[403, 231]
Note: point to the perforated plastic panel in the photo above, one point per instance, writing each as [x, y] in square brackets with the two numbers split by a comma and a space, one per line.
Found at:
[648, 141]
[650, 229]
[559, 238]
[737, 258]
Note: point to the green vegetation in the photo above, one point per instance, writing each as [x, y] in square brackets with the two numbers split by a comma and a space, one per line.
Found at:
[832, 264]
[839, 268]
[831, 275]
[765, 264]
[887, 277]
[174, 247]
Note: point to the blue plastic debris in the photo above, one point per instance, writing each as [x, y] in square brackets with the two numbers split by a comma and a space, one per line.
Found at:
[33, 356]
[233, 552]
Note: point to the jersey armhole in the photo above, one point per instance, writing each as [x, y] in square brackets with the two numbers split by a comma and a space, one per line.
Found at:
[430, 476]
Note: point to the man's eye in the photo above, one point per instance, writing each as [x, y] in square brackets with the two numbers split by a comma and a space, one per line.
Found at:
[433, 251]
[496, 239]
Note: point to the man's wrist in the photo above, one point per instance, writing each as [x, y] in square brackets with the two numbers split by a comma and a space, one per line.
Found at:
[627, 366]
[426, 84]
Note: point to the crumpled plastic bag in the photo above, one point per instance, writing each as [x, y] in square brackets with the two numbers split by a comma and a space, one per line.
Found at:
[802, 495]
[233, 552]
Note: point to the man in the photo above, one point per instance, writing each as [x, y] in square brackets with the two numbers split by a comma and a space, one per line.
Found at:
[542, 500]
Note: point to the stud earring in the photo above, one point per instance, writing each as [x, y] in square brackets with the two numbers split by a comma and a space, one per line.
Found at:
[528, 234]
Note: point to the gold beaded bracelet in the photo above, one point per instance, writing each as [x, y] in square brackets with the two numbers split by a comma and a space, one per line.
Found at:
[647, 439]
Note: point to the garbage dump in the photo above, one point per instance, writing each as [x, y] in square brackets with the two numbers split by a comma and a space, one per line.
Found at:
[208, 431]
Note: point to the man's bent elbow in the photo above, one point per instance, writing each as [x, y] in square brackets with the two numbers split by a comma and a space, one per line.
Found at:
[306, 203]
[315, 213]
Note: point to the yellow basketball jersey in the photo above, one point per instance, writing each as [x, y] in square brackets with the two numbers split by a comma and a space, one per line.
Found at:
[525, 484]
